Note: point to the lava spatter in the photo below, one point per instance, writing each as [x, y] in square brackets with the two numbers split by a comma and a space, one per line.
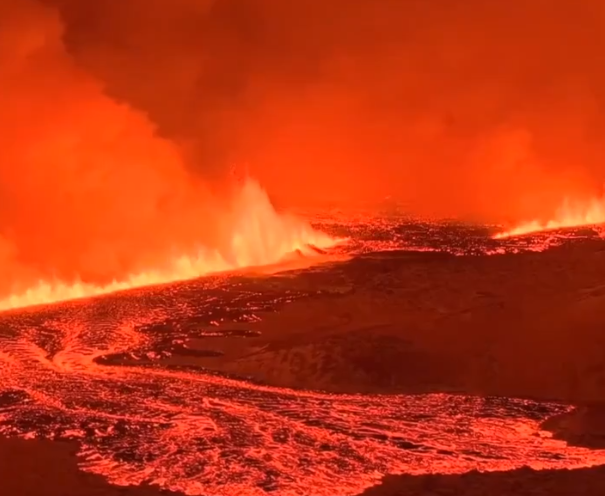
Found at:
[569, 215]
[258, 236]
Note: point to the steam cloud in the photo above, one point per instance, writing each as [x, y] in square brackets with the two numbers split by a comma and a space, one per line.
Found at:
[476, 109]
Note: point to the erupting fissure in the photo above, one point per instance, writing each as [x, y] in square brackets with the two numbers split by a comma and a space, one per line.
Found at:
[570, 214]
[259, 236]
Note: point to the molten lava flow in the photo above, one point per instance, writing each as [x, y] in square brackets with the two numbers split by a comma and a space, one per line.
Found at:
[570, 214]
[257, 236]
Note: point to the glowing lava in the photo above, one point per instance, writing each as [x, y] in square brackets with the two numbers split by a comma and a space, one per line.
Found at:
[570, 214]
[259, 236]
[199, 433]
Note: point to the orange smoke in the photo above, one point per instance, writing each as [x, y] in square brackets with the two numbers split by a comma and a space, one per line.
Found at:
[472, 109]
[570, 214]
[92, 200]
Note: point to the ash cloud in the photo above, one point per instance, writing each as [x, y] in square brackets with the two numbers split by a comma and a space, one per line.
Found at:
[476, 109]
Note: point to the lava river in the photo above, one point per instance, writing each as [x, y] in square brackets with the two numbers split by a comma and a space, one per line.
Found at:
[203, 433]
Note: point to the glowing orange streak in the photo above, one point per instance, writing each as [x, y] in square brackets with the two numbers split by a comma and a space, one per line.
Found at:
[184, 268]
[260, 236]
[569, 215]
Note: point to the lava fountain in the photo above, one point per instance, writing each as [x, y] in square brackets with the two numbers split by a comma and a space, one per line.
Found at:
[570, 214]
[258, 235]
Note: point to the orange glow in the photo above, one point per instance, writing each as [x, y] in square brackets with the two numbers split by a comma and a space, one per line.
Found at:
[570, 214]
[258, 236]
[94, 199]
[332, 108]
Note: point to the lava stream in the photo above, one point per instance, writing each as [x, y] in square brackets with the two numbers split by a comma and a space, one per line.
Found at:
[570, 214]
[259, 236]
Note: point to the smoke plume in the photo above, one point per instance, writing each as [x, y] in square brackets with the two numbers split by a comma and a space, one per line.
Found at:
[475, 109]
[87, 188]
